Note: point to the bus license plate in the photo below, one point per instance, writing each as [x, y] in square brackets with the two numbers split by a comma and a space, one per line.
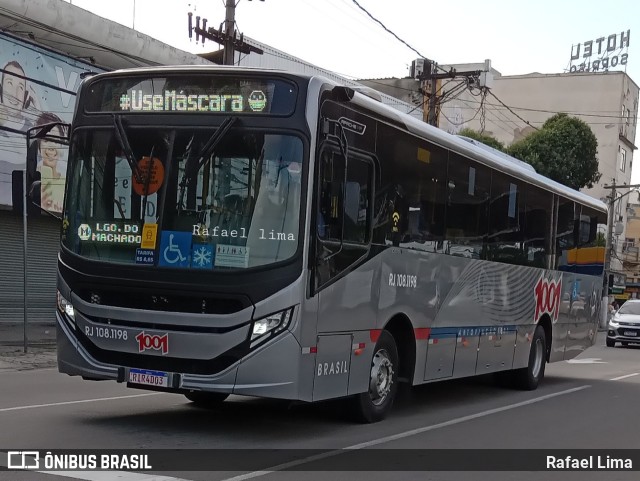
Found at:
[149, 378]
[630, 333]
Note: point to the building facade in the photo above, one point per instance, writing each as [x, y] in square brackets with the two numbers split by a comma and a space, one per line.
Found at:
[631, 251]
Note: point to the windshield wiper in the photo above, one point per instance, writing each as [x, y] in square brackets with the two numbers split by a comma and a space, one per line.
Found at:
[194, 166]
[123, 140]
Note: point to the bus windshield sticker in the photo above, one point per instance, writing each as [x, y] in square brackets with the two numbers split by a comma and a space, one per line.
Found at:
[149, 235]
[175, 249]
[145, 256]
[202, 256]
[151, 176]
[231, 256]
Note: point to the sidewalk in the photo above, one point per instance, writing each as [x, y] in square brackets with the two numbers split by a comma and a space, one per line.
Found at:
[13, 358]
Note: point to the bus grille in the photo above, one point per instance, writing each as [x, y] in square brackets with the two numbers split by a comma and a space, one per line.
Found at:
[164, 301]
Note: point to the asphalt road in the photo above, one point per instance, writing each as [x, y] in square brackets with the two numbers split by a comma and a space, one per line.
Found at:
[590, 404]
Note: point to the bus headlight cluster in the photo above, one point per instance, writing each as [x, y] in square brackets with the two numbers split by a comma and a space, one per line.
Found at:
[65, 307]
[270, 325]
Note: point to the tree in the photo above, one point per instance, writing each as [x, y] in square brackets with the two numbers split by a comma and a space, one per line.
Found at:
[564, 149]
[484, 138]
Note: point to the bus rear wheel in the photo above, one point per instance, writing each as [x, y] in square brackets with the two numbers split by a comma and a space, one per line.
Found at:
[374, 405]
[529, 377]
[206, 399]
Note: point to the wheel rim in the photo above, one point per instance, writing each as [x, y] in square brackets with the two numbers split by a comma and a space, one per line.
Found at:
[537, 361]
[381, 377]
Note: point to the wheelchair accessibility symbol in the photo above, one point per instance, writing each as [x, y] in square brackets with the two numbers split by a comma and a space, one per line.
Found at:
[175, 249]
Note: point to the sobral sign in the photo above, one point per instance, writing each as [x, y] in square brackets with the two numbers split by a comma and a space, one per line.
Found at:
[601, 54]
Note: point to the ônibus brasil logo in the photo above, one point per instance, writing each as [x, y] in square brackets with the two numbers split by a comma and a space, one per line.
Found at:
[547, 294]
[153, 342]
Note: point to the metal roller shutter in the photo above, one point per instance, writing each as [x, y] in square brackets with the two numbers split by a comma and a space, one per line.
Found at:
[43, 243]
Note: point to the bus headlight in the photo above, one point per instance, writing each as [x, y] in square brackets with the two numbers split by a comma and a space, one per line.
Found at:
[270, 325]
[65, 307]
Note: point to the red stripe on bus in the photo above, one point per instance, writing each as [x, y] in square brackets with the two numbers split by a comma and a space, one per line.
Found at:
[422, 332]
[374, 334]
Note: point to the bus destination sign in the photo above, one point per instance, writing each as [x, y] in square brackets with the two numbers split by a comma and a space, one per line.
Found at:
[170, 101]
[189, 94]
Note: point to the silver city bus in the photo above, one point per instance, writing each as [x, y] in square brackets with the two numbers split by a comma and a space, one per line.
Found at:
[255, 232]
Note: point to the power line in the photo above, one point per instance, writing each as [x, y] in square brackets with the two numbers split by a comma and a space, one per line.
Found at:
[509, 109]
[389, 31]
[570, 112]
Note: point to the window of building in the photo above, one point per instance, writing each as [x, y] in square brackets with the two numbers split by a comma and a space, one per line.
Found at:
[623, 158]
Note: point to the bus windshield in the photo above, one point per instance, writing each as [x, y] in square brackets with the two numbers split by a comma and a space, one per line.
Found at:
[162, 198]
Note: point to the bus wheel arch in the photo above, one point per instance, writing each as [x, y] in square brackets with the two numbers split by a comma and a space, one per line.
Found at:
[528, 378]
[545, 322]
[400, 327]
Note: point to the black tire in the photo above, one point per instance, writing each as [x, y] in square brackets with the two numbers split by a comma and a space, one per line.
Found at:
[611, 343]
[374, 405]
[206, 399]
[529, 377]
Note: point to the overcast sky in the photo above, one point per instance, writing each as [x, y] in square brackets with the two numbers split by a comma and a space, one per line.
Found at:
[519, 36]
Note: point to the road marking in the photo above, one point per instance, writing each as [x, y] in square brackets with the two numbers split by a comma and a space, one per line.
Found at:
[587, 360]
[65, 403]
[394, 437]
[624, 377]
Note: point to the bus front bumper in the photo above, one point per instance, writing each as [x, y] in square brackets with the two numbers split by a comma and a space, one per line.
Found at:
[261, 373]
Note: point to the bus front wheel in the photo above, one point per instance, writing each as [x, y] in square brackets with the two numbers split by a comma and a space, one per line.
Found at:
[374, 405]
[206, 399]
[529, 377]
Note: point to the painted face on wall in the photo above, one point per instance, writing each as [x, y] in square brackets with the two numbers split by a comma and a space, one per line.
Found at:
[49, 150]
[13, 88]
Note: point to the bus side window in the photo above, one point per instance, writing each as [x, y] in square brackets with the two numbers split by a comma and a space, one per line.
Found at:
[344, 206]
[344, 213]
[330, 197]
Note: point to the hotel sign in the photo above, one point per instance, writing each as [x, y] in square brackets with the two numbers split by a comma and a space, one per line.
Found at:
[601, 54]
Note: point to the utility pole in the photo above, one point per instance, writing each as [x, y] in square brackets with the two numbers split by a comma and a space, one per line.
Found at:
[432, 118]
[609, 239]
[230, 33]
[429, 75]
[225, 35]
